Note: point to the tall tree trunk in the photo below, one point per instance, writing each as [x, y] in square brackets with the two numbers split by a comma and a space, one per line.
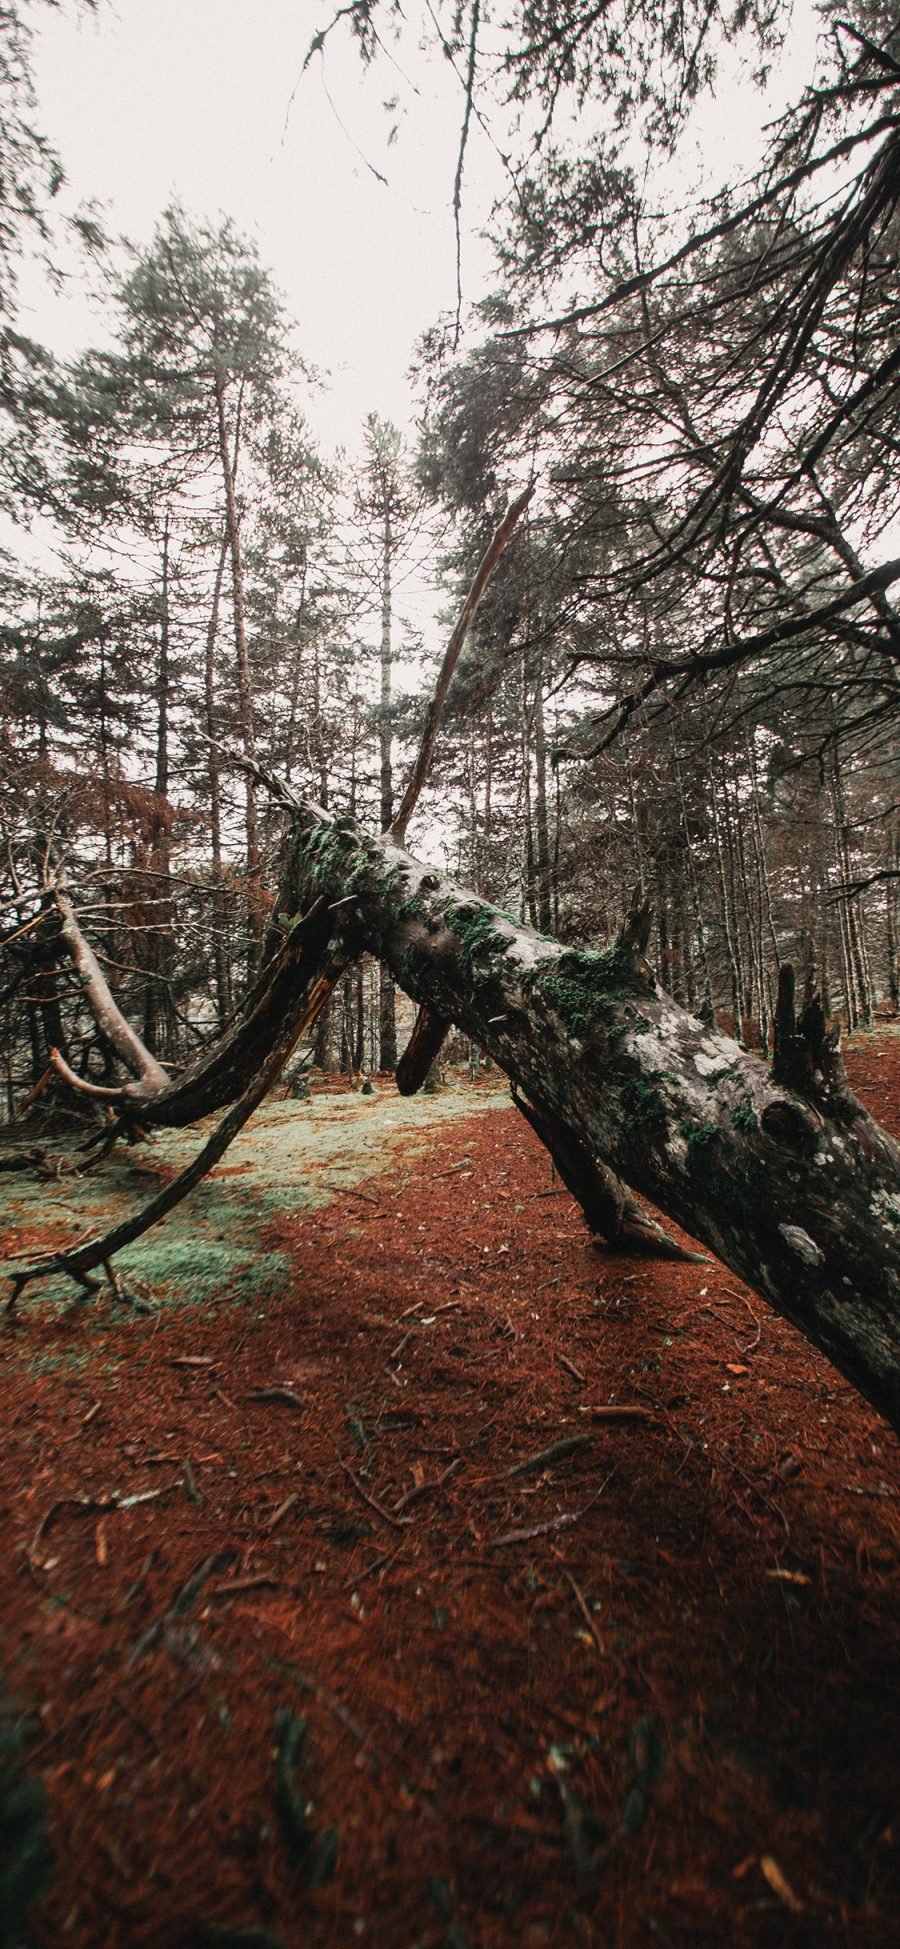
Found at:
[487, 811]
[851, 914]
[541, 824]
[296, 670]
[157, 942]
[385, 718]
[707, 1010]
[221, 957]
[892, 931]
[105, 764]
[244, 676]
[387, 1014]
[825, 931]
[523, 809]
[634, 824]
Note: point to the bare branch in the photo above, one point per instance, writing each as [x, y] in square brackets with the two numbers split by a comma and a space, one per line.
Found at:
[80, 1262]
[106, 1011]
[483, 576]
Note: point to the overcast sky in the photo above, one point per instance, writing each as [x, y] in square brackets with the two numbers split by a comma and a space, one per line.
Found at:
[206, 101]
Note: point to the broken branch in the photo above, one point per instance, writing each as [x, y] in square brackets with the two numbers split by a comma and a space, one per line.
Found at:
[452, 654]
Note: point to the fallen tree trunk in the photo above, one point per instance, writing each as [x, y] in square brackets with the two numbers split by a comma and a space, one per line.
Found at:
[777, 1168]
[797, 1191]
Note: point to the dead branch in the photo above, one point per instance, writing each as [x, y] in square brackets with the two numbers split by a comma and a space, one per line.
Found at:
[452, 654]
[80, 1262]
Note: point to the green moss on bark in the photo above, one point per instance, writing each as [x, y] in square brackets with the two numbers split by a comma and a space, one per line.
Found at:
[744, 1116]
[644, 1113]
[701, 1141]
[476, 931]
[585, 986]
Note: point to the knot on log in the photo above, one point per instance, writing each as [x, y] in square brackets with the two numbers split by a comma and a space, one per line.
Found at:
[789, 1123]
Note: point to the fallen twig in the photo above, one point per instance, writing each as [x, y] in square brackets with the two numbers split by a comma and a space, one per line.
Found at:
[181, 1603]
[238, 1584]
[582, 1603]
[85, 1504]
[563, 1521]
[552, 1454]
[285, 1394]
[350, 1191]
[280, 1513]
[754, 1343]
[139, 1582]
[380, 1563]
[571, 1368]
[427, 1488]
[396, 1522]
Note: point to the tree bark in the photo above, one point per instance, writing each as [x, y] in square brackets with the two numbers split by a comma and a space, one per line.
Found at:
[113, 1026]
[244, 676]
[221, 962]
[779, 1170]
[798, 1193]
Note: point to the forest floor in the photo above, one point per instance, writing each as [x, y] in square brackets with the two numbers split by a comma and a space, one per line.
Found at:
[315, 1644]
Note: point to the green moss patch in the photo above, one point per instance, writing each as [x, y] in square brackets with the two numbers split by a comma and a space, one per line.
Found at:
[701, 1141]
[744, 1116]
[644, 1112]
[584, 986]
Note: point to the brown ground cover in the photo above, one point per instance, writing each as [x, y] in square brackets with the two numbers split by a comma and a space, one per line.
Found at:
[638, 1689]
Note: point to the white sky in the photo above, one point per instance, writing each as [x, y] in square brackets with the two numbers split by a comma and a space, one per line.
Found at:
[205, 101]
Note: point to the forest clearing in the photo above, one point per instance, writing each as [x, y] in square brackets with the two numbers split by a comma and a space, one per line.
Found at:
[583, 1573]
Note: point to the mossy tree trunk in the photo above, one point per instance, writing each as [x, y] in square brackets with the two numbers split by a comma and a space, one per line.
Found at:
[776, 1168]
